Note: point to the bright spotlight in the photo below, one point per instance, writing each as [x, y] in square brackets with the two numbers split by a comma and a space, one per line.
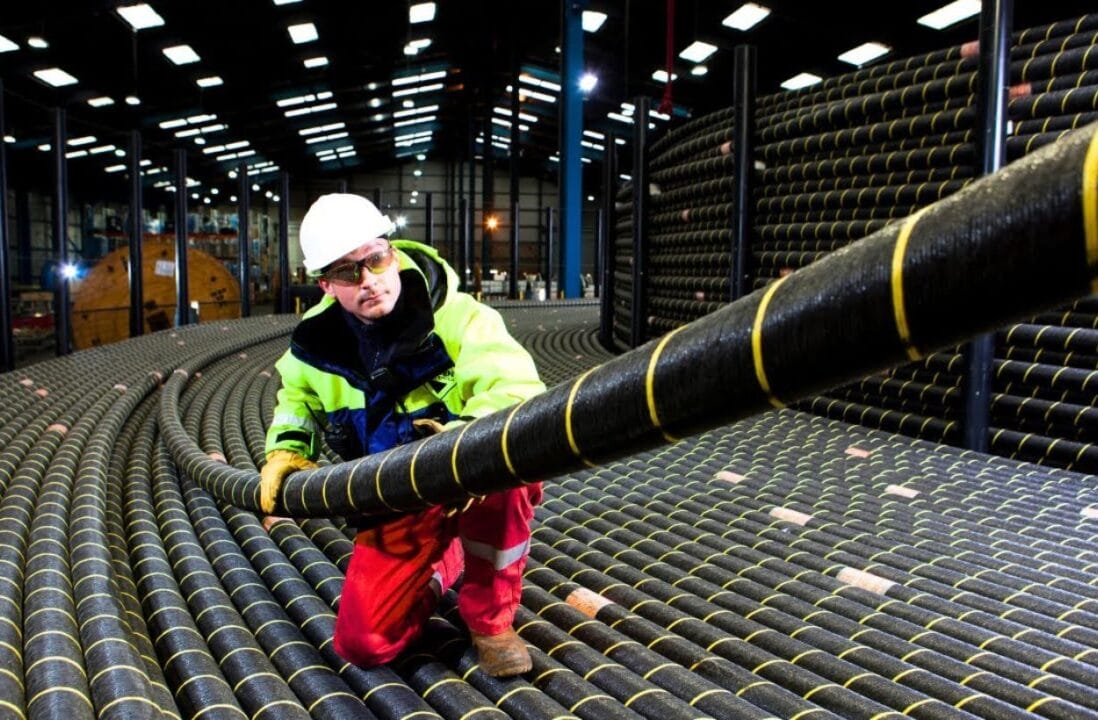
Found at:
[68, 271]
[588, 82]
[401, 221]
[492, 222]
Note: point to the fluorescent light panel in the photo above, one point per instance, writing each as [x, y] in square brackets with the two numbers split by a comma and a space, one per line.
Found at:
[801, 80]
[538, 82]
[420, 78]
[302, 33]
[864, 53]
[101, 101]
[592, 20]
[181, 54]
[415, 111]
[950, 14]
[311, 109]
[7, 45]
[421, 13]
[661, 76]
[415, 121]
[55, 76]
[417, 90]
[210, 81]
[698, 51]
[315, 62]
[322, 128]
[746, 17]
[140, 16]
[699, 70]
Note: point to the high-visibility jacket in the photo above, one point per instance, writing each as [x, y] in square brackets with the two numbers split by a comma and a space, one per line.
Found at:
[439, 354]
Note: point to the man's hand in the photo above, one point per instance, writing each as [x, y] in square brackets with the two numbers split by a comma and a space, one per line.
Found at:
[425, 427]
[280, 463]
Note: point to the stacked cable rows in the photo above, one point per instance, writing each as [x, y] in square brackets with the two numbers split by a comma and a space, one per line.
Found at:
[843, 159]
[786, 567]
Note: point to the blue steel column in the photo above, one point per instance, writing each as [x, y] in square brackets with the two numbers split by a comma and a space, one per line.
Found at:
[7, 339]
[61, 311]
[638, 326]
[137, 230]
[571, 133]
[243, 232]
[284, 243]
[182, 289]
[606, 288]
[993, 77]
[744, 109]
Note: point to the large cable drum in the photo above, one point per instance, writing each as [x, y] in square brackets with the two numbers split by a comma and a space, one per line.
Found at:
[101, 301]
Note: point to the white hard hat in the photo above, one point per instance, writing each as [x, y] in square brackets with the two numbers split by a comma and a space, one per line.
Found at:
[335, 225]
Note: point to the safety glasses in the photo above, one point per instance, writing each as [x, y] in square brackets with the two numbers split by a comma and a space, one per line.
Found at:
[350, 273]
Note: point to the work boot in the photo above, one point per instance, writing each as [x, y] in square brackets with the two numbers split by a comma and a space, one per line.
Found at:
[502, 655]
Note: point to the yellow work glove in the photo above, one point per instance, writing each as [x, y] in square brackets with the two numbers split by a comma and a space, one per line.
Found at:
[280, 463]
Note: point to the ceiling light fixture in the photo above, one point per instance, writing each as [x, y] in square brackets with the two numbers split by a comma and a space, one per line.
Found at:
[38, 43]
[211, 81]
[699, 70]
[746, 17]
[302, 33]
[140, 16]
[315, 62]
[421, 13]
[55, 77]
[698, 51]
[592, 20]
[133, 100]
[661, 76]
[181, 54]
[7, 45]
[950, 14]
[801, 80]
[588, 82]
[84, 140]
[864, 53]
[101, 101]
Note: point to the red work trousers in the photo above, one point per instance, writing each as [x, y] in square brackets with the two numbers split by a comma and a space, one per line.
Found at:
[387, 598]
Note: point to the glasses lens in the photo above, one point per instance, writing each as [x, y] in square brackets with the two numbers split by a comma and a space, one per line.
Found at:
[378, 262]
[345, 273]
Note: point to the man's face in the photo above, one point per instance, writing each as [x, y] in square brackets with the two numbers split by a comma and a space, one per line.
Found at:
[375, 294]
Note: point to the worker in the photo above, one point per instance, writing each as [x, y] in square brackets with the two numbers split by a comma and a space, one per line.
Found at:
[392, 353]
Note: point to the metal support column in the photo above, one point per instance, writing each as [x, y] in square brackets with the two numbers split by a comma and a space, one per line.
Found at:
[993, 79]
[488, 200]
[182, 289]
[608, 249]
[513, 193]
[429, 218]
[137, 236]
[243, 244]
[549, 232]
[571, 133]
[464, 248]
[284, 243]
[61, 308]
[744, 109]
[7, 338]
[638, 326]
